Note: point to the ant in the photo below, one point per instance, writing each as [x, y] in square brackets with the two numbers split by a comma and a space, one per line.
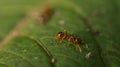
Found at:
[46, 13]
[69, 38]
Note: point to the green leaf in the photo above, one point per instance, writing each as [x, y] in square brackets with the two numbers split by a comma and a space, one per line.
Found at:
[32, 44]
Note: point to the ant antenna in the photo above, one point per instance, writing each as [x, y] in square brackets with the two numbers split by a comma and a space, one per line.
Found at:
[65, 31]
[86, 44]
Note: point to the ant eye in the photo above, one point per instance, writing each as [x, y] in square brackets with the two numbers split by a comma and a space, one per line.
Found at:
[60, 34]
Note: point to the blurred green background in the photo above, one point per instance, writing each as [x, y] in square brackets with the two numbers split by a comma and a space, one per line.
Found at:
[12, 11]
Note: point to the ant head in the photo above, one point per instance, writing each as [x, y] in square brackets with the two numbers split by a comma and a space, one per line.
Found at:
[60, 35]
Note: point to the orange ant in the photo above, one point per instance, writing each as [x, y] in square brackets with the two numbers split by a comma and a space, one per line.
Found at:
[47, 11]
[69, 38]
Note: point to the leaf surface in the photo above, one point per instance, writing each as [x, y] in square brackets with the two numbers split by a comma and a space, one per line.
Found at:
[22, 48]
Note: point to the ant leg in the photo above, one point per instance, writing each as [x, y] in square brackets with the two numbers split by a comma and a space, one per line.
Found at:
[78, 46]
[61, 40]
[86, 46]
[88, 55]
